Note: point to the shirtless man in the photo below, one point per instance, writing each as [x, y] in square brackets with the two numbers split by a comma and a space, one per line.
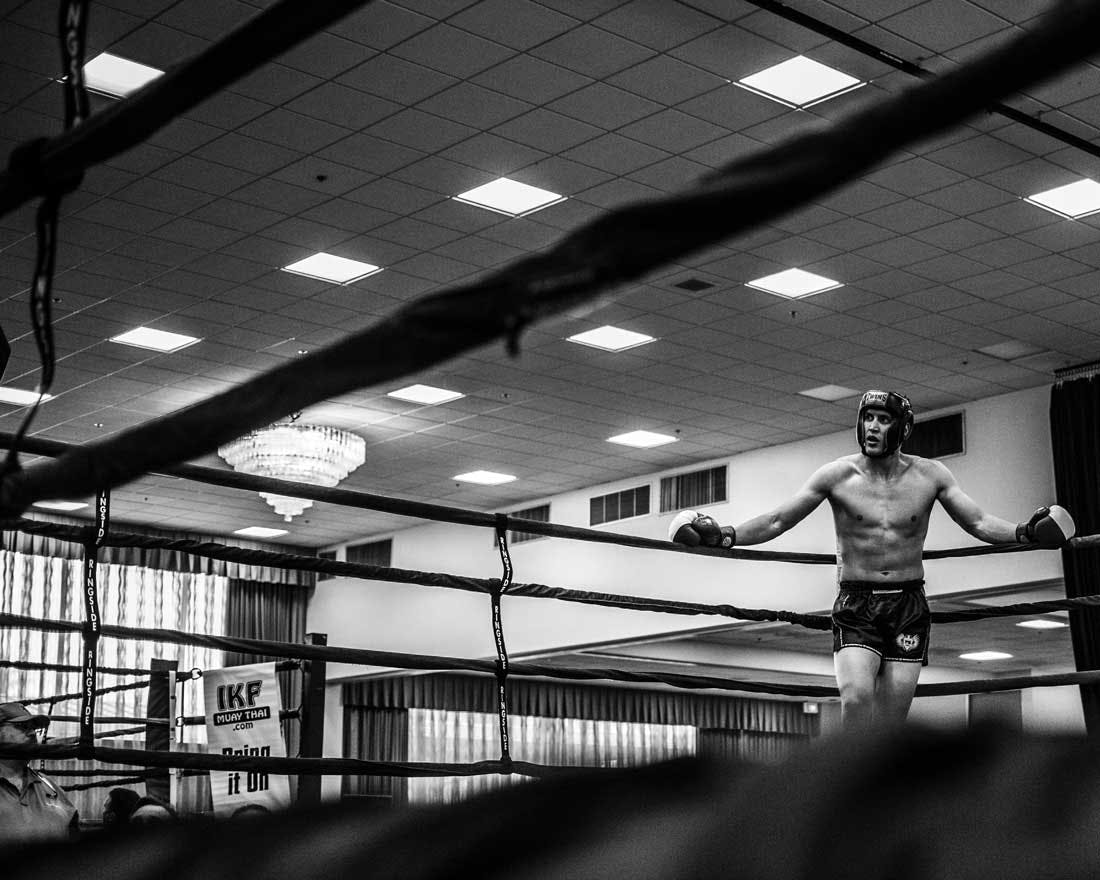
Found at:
[881, 500]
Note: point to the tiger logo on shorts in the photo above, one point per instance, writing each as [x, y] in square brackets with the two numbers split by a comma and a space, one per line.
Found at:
[908, 642]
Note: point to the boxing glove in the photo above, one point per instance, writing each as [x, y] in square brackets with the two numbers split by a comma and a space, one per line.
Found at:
[692, 528]
[1048, 527]
[680, 530]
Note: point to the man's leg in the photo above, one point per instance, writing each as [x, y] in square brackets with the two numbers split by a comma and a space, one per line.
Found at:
[894, 693]
[856, 671]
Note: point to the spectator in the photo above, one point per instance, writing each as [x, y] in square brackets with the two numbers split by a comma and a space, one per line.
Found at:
[32, 806]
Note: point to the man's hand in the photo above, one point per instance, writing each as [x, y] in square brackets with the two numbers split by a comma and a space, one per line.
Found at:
[692, 529]
[1048, 527]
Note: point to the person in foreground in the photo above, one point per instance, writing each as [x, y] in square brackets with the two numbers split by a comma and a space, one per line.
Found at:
[32, 806]
[881, 500]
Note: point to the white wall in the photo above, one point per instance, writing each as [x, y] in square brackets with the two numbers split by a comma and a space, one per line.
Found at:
[1007, 469]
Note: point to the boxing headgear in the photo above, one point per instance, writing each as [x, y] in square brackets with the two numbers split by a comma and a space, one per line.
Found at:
[899, 407]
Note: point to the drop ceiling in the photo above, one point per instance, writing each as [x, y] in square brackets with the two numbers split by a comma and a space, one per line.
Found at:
[355, 143]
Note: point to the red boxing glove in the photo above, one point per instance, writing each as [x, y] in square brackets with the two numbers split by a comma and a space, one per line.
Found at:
[1048, 527]
[692, 529]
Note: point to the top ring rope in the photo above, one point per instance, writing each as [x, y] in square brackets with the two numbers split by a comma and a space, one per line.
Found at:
[616, 248]
[438, 513]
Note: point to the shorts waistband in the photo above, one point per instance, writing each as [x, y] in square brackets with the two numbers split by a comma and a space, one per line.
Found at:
[881, 586]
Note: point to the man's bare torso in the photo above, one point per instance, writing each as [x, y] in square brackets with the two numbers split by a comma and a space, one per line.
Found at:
[881, 516]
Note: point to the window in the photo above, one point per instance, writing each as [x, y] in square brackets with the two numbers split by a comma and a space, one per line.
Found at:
[373, 553]
[693, 490]
[538, 514]
[937, 438]
[618, 505]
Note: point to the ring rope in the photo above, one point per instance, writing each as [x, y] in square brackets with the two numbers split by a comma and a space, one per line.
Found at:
[437, 663]
[613, 249]
[65, 667]
[78, 694]
[213, 550]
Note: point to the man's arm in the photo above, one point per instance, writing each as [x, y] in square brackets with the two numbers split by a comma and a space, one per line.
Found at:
[1050, 527]
[774, 523]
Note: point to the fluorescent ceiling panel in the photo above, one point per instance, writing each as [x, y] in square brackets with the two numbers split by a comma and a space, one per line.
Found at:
[985, 655]
[829, 392]
[510, 197]
[611, 338]
[800, 82]
[155, 340]
[1042, 623]
[642, 439]
[484, 478]
[61, 505]
[1073, 200]
[259, 532]
[425, 394]
[329, 267]
[1010, 350]
[20, 397]
[117, 77]
[794, 283]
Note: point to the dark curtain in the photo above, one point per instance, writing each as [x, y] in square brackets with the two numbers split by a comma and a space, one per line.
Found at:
[376, 735]
[752, 746]
[376, 723]
[257, 610]
[597, 702]
[1075, 438]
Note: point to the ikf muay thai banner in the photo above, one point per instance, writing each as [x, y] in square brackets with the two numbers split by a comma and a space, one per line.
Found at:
[242, 718]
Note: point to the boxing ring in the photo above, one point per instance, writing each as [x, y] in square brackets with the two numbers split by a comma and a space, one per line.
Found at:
[620, 247]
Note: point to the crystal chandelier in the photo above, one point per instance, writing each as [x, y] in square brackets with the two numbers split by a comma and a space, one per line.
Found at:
[314, 454]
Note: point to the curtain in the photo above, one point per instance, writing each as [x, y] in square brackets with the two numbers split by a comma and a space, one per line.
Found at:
[1075, 441]
[377, 735]
[451, 718]
[45, 587]
[277, 612]
[167, 560]
[445, 736]
[748, 745]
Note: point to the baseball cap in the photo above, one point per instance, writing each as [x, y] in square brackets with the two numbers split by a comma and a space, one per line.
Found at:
[18, 712]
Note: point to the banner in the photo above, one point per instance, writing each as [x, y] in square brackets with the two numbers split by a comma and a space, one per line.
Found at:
[242, 718]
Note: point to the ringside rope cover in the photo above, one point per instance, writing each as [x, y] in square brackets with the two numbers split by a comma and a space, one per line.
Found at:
[498, 589]
[92, 622]
[613, 249]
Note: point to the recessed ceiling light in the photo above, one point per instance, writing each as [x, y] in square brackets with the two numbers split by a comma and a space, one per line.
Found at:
[259, 532]
[510, 197]
[1072, 200]
[156, 340]
[800, 82]
[20, 397]
[1042, 623]
[794, 283]
[1010, 350]
[425, 394]
[642, 439]
[117, 77]
[611, 338]
[829, 392]
[61, 505]
[329, 267]
[484, 478]
[985, 655]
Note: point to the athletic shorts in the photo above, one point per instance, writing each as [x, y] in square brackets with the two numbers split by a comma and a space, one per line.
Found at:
[890, 619]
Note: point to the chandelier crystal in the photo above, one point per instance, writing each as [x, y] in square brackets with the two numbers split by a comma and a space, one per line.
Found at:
[314, 454]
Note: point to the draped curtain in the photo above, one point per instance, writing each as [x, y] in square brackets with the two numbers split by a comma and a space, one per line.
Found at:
[46, 587]
[1075, 442]
[446, 736]
[448, 718]
[276, 612]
